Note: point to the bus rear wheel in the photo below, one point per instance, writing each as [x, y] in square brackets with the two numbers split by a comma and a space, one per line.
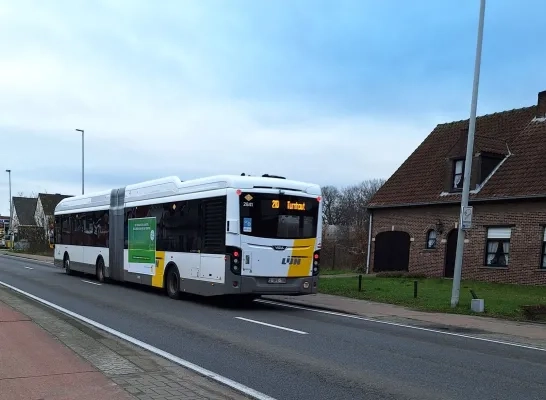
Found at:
[66, 265]
[100, 270]
[172, 283]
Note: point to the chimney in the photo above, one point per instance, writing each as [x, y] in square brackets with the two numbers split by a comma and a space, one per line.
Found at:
[541, 105]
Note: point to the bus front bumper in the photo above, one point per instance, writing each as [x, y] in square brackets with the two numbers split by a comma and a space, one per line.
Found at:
[293, 286]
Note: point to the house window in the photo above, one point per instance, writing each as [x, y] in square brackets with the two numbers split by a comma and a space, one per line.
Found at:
[543, 260]
[431, 239]
[498, 246]
[458, 172]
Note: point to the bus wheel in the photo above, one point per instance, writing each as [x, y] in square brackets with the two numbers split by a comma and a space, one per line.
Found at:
[66, 264]
[172, 283]
[100, 270]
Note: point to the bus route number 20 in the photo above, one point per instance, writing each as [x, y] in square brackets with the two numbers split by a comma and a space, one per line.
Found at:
[275, 203]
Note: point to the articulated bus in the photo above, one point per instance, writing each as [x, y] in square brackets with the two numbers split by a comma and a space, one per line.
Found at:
[219, 235]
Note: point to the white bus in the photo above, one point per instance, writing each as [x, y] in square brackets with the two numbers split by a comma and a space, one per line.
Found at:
[219, 235]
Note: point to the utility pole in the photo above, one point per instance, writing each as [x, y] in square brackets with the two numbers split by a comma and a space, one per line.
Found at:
[468, 163]
[83, 155]
[10, 211]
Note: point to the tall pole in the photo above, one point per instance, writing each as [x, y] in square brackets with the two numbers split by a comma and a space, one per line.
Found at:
[83, 158]
[468, 162]
[10, 210]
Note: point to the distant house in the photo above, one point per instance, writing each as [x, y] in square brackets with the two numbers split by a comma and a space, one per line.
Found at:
[415, 214]
[45, 209]
[4, 225]
[24, 209]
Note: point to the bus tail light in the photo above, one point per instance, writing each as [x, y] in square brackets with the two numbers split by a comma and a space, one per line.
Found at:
[234, 254]
[316, 262]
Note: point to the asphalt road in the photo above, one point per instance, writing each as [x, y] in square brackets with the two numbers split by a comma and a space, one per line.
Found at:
[321, 356]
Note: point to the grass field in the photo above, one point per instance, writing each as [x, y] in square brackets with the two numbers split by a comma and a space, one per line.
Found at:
[337, 271]
[501, 300]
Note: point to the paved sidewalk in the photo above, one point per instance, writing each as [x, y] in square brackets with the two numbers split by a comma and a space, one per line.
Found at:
[46, 259]
[46, 355]
[529, 333]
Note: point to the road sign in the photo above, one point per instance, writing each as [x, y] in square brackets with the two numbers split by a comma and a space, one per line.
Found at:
[466, 218]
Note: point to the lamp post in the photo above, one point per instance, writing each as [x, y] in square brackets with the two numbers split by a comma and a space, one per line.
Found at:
[468, 162]
[83, 152]
[10, 210]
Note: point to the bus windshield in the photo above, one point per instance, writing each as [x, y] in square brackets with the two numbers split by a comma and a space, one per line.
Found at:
[278, 216]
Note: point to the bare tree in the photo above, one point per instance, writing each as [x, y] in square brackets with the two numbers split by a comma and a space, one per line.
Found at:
[330, 205]
[32, 194]
[348, 209]
[353, 203]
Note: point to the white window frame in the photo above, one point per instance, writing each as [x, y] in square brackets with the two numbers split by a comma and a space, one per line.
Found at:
[454, 185]
[429, 238]
[497, 236]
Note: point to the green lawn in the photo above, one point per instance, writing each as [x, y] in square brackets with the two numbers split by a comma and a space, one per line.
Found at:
[501, 300]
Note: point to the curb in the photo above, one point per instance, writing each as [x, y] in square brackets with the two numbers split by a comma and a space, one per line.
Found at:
[23, 257]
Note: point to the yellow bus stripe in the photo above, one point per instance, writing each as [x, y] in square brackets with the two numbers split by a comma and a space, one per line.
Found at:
[303, 248]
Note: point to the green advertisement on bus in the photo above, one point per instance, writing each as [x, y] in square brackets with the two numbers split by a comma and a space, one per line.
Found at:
[141, 240]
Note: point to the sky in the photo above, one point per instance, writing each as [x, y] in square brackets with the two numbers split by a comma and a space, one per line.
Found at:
[330, 92]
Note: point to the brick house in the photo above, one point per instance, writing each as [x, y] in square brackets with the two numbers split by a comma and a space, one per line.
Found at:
[45, 209]
[415, 214]
[23, 212]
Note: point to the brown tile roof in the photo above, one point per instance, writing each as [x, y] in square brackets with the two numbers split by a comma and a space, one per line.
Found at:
[25, 207]
[50, 201]
[421, 179]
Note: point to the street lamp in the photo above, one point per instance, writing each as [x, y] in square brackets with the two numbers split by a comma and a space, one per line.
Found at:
[468, 164]
[83, 150]
[10, 209]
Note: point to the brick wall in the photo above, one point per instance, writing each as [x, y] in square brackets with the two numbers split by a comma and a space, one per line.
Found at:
[526, 240]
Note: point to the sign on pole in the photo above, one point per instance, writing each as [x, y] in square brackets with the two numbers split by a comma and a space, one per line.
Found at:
[466, 218]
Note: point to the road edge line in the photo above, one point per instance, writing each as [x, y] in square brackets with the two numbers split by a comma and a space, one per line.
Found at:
[184, 363]
[407, 326]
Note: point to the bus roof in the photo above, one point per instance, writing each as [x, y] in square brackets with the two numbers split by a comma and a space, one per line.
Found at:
[172, 186]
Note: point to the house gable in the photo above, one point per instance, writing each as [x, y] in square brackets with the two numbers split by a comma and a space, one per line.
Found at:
[508, 162]
[45, 209]
[24, 209]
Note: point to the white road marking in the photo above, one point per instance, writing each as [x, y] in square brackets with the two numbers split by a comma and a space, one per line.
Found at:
[91, 283]
[272, 326]
[461, 335]
[29, 267]
[202, 371]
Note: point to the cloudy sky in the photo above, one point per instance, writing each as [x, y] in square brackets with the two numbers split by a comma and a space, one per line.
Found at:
[327, 91]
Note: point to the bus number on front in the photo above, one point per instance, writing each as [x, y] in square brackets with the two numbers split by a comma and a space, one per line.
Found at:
[275, 204]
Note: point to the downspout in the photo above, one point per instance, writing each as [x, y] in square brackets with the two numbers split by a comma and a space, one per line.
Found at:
[369, 244]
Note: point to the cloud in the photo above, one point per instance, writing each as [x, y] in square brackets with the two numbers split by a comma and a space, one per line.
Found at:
[327, 92]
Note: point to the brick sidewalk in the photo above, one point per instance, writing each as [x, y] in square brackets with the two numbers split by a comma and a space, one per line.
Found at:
[33, 365]
[46, 355]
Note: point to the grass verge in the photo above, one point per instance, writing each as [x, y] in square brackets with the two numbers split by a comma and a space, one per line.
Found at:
[337, 271]
[501, 300]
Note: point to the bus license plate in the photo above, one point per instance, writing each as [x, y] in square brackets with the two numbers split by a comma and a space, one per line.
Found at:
[276, 280]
